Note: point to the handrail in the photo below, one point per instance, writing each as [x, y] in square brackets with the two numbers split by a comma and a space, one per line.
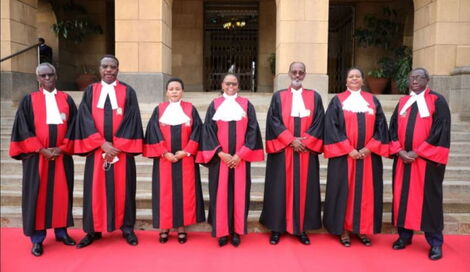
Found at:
[20, 52]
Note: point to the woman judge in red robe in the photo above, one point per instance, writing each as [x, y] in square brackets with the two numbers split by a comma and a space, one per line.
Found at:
[172, 140]
[356, 137]
[231, 140]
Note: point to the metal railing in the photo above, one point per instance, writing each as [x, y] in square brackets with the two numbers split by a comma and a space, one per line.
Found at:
[22, 51]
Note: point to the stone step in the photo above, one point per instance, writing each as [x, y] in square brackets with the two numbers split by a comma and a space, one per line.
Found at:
[454, 223]
[455, 195]
[258, 170]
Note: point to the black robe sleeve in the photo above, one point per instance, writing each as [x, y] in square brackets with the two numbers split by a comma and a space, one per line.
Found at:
[23, 136]
[67, 145]
[154, 144]
[336, 142]
[252, 150]
[194, 139]
[313, 138]
[395, 145]
[85, 137]
[209, 142]
[436, 147]
[130, 134]
[278, 136]
[379, 144]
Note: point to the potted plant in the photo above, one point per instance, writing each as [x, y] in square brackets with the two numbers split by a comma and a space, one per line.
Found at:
[377, 81]
[403, 65]
[272, 63]
[88, 75]
[382, 32]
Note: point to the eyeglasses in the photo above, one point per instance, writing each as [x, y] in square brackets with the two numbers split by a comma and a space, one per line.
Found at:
[46, 75]
[417, 78]
[300, 73]
[231, 83]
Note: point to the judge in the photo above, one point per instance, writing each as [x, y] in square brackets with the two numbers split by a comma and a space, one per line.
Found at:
[38, 139]
[356, 136]
[108, 130]
[231, 140]
[172, 140]
[420, 141]
[294, 138]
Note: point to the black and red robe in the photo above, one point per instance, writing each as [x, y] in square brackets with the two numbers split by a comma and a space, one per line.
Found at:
[47, 184]
[354, 188]
[292, 186]
[229, 189]
[108, 196]
[176, 187]
[417, 187]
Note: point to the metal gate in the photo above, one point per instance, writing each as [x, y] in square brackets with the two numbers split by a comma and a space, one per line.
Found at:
[230, 43]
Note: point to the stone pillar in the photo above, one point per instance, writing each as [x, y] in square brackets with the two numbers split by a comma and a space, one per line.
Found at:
[18, 31]
[441, 44]
[302, 35]
[143, 46]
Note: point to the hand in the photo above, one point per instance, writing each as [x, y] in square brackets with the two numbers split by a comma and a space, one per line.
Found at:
[225, 157]
[180, 154]
[110, 150]
[234, 162]
[56, 152]
[298, 146]
[405, 157]
[170, 157]
[47, 153]
[412, 154]
[355, 155]
[364, 152]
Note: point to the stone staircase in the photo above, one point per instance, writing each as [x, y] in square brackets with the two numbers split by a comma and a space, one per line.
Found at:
[456, 184]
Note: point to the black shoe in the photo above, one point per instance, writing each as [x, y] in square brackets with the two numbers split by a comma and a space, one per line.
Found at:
[37, 249]
[88, 239]
[223, 241]
[275, 237]
[400, 244]
[131, 238]
[345, 241]
[67, 240]
[303, 238]
[364, 239]
[435, 253]
[163, 237]
[182, 237]
[236, 240]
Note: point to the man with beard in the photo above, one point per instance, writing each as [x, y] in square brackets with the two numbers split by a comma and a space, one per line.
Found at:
[39, 139]
[420, 141]
[109, 132]
[294, 138]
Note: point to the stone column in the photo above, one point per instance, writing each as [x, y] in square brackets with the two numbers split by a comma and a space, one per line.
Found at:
[302, 35]
[18, 31]
[143, 45]
[441, 44]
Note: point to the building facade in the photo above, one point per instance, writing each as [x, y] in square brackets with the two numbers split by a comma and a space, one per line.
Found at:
[198, 40]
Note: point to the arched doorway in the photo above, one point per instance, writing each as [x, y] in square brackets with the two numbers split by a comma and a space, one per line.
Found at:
[45, 18]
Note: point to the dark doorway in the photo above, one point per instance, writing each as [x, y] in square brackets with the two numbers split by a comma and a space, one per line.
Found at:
[340, 45]
[230, 43]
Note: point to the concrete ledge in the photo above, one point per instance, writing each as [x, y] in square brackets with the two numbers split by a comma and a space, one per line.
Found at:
[150, 87]
[14, 85]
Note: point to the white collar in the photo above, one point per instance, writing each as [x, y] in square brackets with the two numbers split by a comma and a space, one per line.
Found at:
[298, 106]
[53, 116]
[107, 90]
[421, 101]
[356, 103]
[174, 115]
[229, 110]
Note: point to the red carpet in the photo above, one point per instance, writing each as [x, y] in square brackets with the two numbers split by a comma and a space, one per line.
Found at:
[201, 253]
